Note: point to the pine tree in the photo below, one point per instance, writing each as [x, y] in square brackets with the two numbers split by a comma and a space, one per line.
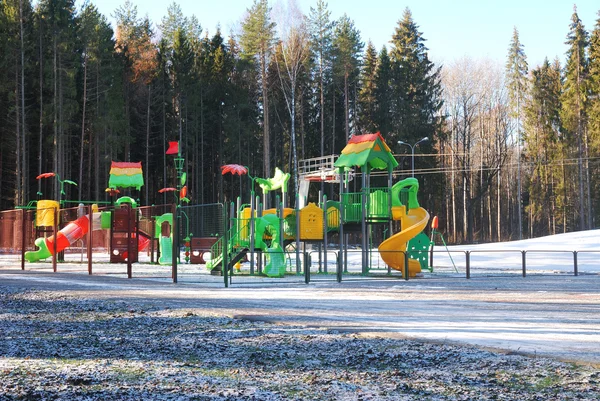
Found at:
[367, 97]
[172, 23]
[383, 96]
[542, 133]
[416, 93]
[257, 41]
[62, 61]
[15, 25]
[593, 127]
[96, 78]
[516, 76]
[321, 33]
[573, 113]
[140, 63]
[347, 49]
[415, 85]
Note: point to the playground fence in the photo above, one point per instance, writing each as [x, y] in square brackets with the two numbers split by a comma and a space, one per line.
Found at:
[18, 232]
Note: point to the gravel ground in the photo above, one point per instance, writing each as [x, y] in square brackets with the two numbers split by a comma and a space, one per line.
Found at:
[57, 346]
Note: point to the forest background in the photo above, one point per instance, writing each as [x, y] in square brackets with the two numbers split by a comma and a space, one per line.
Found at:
[512, 151]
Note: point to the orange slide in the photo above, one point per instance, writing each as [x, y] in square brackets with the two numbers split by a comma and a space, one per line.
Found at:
[392, 249]
[64, 238]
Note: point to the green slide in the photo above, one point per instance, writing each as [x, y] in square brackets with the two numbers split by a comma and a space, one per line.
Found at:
[275, 266]
[165, 239]
[166, 251]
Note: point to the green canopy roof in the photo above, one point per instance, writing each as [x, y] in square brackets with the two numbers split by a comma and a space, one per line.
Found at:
[367, 150]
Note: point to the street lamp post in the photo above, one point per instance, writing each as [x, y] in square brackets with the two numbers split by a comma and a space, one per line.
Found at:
[412, 150]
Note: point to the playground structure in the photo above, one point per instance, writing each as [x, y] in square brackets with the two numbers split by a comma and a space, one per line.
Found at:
[269, 232]
[266, 238]
[127, 238]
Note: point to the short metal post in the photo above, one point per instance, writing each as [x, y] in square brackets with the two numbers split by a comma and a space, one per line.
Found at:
[346, 241]
[225, 251]
[129, 250]
[325, 222]
[175, 244]
[339, 266]
[251, 232]
[405, 265]
[468, 264]
[259, 213]
[431, 245]
[297, 214]
[341, 225]
[90, 237]
[524, 262]
[23, 239]
[152, 238]
[55, 235]
[363, 229]
[306, 268]
[575, 267]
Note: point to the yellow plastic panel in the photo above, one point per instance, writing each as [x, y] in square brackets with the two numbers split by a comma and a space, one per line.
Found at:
[45, 213]
[311, 223]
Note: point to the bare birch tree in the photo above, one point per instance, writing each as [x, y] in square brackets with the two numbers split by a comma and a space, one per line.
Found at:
[294, 51]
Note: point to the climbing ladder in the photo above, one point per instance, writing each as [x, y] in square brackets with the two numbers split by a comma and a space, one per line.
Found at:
[237, 246]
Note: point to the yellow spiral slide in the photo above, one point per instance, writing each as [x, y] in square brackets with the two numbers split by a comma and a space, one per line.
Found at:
[392, 249]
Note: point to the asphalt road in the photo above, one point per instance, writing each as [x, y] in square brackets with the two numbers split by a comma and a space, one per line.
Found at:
[556, 316]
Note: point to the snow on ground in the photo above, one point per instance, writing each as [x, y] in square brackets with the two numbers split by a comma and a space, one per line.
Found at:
[553, 253]
[550, 254]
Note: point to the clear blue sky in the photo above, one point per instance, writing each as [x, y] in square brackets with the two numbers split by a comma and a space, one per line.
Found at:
[453, 29]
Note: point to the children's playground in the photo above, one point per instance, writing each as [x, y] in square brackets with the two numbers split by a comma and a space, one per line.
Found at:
[374, 228]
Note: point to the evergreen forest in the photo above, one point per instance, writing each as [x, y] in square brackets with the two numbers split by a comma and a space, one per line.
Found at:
[513, 150]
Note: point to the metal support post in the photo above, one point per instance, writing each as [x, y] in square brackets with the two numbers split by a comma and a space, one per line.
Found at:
[406, 271]
[129, 268]
[225, 259]
[90, 242]
[55, 234]
[23, 237]
[175, 250]
[325, 222]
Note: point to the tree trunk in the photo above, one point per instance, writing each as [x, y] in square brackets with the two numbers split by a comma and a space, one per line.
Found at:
[84, 101]
[61, 156]
[147, 166]
[294, 150]
[565, 197]
[96, 141]
[454, 206]
[322, 110]
[201, 145]
[590, 212]
[164, 137]
[266, 139]
[24, 155]
[18, 150]
[333, 123]
[490, 222]
[41, 132]
[346, 107]
[55, 114]
[466, 209]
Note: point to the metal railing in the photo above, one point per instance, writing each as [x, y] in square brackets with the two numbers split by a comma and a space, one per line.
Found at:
[451, 263]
